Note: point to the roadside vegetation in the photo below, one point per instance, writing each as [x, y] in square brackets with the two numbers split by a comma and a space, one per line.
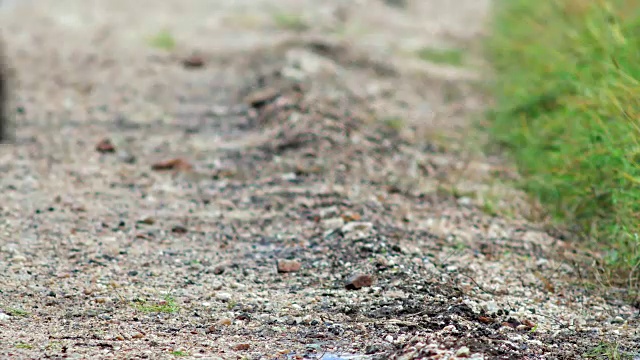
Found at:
[567, 90]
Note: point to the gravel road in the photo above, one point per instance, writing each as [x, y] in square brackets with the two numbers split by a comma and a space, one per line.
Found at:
[271, 180]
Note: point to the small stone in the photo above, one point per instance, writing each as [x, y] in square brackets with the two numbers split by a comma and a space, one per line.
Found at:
[449, 328]
[147, 220]
[18, 259]
[388, 339]
[491, 307]
[179, 229]
[357, 226]
[358, 281]
[216, 285]
[193, 61]
[241, 347]
[350, 217]
[617, 320]
[126, 157]
[285, 266]
[289, 176]
[542, 262]
[332, 223]
[225, 322]
[137, 336]
[218, 270]
[4, 316]
[463, 352]
[175, 164]
[105, 146]
[223, 296]
[101, 300]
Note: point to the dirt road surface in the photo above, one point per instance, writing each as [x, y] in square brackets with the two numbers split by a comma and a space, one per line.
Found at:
[270, 180]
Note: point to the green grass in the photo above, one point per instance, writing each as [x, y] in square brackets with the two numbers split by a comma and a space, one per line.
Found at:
[289, 21]
[23, 346]
[16, 312]
[163, 40]
[567, 89]
[179, 353]
[609, 351]
[168, 306]
[453, 57]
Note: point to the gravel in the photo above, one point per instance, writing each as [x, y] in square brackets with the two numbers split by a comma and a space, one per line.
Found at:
[250, 193]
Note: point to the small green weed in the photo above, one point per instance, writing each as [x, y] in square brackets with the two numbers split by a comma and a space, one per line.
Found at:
[21, 345]
[163, 40]
[168, 306]
[17, 312]
[179, 353]
[394, 123]
[289, 21]
[608, 351]
[453, 57]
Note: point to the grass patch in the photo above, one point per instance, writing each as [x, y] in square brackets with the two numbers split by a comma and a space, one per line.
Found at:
[17, 312]
[453, 57]
[168, 305]
[163, 40]
[393, 123]
[567, 109]
[23, 346]
[293, 22]
[179, 353]
[609, 351]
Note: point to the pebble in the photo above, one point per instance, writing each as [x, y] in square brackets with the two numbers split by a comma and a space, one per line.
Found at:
[491, 306]
[358, 281]
[18, 259]
[4, 316]
[449, 328]
[241, 347]
[237, 286]
[357, 226]
[388, 339]
[617, 320]
[285, 266]
[463, 352]
[218, 270]
[223, 296]
[332, 223]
